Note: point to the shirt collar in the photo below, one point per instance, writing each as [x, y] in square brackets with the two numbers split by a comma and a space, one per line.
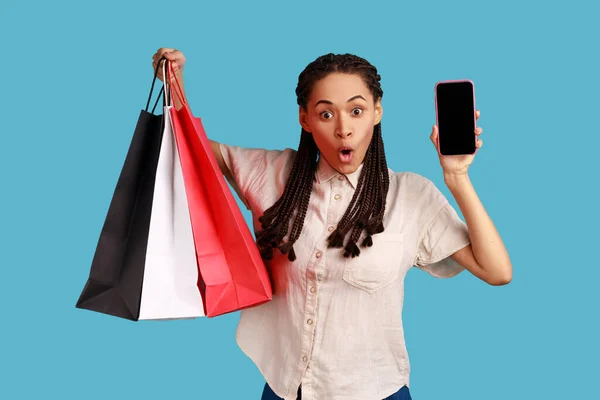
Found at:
[326, 172]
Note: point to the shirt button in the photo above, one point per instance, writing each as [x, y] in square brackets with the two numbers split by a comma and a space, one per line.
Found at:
[310, 322]
[313, 289]
[305, 359]
[337, 197]
[319, 254]
[330, 229]
[341, 178]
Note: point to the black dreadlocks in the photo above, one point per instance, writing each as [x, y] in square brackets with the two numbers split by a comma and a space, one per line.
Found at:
[367, 207]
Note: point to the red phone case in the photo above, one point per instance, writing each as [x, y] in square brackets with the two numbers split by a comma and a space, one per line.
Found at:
[436, 109]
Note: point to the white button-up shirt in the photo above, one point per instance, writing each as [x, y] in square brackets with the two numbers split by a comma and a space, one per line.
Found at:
[334, 324]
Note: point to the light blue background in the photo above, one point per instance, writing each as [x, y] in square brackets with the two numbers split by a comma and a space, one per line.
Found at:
[76, 74]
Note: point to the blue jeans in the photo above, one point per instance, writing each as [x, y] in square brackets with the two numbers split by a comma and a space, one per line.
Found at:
[402, 394]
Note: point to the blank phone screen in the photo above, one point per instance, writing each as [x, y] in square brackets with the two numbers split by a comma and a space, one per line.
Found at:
[456, 118]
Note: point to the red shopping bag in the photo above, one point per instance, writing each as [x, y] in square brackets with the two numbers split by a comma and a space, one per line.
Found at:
[232, 275]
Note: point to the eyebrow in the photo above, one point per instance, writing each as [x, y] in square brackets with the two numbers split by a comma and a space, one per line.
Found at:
[347, 101]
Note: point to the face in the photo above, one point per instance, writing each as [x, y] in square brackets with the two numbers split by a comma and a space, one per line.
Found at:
[341, 114]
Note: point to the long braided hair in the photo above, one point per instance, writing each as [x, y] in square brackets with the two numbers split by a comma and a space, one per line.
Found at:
[367, 207]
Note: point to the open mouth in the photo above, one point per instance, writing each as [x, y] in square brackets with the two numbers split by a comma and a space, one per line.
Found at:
[346, 154]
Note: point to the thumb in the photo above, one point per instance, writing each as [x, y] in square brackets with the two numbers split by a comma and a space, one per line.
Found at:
[434, 135]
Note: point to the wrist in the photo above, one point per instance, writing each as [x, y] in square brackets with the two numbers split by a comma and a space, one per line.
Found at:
[454, 179]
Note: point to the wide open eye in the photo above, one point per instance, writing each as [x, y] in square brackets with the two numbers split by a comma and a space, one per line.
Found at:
[357, 111]
[326, 115]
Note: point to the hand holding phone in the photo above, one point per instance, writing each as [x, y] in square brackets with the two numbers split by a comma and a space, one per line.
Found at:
[455, 117]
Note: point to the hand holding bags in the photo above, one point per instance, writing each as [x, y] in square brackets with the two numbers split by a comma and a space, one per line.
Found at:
[174, 243]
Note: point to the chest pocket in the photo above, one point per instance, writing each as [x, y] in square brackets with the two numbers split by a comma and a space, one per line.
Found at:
[378, 265]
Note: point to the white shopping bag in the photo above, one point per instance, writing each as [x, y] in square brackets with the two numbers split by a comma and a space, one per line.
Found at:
[169, 289]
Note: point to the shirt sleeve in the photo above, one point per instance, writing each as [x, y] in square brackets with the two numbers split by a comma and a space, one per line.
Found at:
[250, 168]
[441, 237]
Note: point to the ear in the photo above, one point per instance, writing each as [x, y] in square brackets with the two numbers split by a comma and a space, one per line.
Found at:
[303, 117]
[378, 112]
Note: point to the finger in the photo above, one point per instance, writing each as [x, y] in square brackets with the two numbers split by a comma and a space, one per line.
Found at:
[434, 135]
[154, 64]
[176, 60]
[174, 63]
[159, 54]
[479, 143]
[477, 114]
[175, 56]
[478, 131]
[165, 51]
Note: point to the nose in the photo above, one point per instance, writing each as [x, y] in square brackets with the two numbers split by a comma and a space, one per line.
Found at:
[343, 128]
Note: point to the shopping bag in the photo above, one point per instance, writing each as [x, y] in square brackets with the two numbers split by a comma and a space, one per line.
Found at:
[170, 289]
[232, 275]
[114, 286]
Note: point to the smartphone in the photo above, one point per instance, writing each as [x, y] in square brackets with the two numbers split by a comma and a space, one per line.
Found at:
[455, 116]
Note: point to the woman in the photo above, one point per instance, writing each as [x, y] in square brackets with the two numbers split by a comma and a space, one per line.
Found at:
[338, 232]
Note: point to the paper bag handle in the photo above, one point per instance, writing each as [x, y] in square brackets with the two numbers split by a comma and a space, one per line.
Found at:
[152, 87]
[178, 91]
[166, 83]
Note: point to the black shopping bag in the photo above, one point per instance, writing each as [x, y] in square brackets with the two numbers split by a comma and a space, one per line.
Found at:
[114, 285]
